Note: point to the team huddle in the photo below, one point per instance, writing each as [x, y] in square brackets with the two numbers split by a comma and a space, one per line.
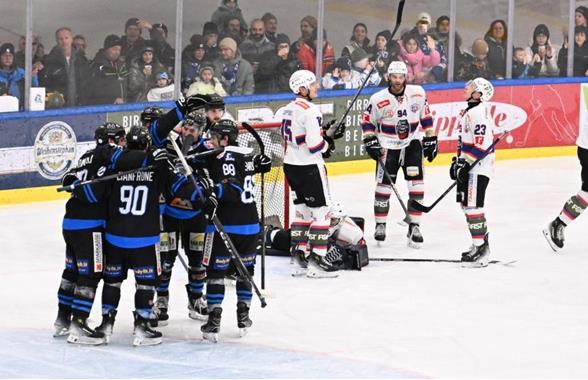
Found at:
[137, 196]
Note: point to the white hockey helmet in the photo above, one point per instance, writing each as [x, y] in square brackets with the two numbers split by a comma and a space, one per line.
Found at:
[301, 78]
[482, 86]
[397, 67]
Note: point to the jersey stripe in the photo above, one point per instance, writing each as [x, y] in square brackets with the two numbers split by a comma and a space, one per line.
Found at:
[237, 229]
[82, 224]
[318, 147]
[131, 242]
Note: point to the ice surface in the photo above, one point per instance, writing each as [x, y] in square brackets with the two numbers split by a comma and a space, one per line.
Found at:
[392, 319]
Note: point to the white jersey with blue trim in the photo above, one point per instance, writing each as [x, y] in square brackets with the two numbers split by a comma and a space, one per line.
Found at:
[396, 119]
[302, 132]
[476, 134]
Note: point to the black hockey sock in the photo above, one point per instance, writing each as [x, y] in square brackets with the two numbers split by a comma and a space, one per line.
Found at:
[215, 292]
[110, 297]
[196, 279]
[83, 301]
[163, 284]
[144, 300]
[244, 293]
[65, 293]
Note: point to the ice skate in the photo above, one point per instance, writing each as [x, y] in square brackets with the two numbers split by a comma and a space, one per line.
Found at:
[243, 320]
[161, 318]
[81, 333]
[415, 238]
[299, 263]
[62, 324]
[321, 267]
[211, 329]
[477, 256]
[107, 324]
[554, 234]
[197, 308]
[380, 234]
[143, 334]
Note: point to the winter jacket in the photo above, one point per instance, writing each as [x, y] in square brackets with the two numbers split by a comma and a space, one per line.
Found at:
[223, 13]
[547, 67]
[306, 54]
[159, 94]
[253, 50]
[331, 83]
[190, 70]
[236, 75]
[57, 76]
[273, 73]
[200, 87]
[14, 79]
[130, 52]
[139, 84]
[108, 80]
[468, 70]
[439, 69]
[419, 61]
[349, 48]
[519, 70]
[164, 53]
[496, 55]
[580, 60]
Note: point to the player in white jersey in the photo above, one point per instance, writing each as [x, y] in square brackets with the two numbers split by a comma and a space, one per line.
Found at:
[391, 132]
[475, 130]
[577, 204]
[304, 167]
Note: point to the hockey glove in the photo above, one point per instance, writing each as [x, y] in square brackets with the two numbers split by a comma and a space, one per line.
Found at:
[430, 148]
[211, 202]
[262, 163]
[462, 168]
[190, 104]
[158, 157]
[372, 146]
[452, 168]
[336, 131]
[331, 148]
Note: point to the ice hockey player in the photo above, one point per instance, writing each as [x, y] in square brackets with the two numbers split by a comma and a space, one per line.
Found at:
[475, 130]
[391, 134]
[133, 231]
[577, 204]
[83, 229]
[304, 168]
[233, 172]
[150, 114]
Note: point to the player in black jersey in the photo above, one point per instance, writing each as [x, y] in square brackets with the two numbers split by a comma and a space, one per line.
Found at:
[150, 114]
[83, 228]
[233, 172]
[132, 230]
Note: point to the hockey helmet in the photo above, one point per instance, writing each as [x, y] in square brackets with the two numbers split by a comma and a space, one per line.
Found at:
[225, 127]
[108, 130]
[483, 86]
[215, 101]
[100, 135]
[138, 138]
[301, 78]
[195, 119]
[397, 67]
[150, 114]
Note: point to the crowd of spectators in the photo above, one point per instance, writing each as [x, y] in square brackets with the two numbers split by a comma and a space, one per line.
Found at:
[233, 57]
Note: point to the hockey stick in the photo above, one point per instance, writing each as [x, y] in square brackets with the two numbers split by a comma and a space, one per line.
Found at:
[257, 138]
[419, 207]
[102, 179]
[221, 231]
[423, 260]
[331, 131]
[389, 178]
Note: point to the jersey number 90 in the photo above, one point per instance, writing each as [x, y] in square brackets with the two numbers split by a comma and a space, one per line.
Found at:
[133, 199]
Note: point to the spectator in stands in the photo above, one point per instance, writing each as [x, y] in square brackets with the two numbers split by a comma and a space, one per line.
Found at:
[341, 77]
[132, 41]
[441, 33]
[13, 77]
[421, 32]
[109, 74]
[66, 70]
[38, 52]
[234, 29]
[581, 16]
[384, 51]
[360, 63]
[161, 48]
[192, 61]
[476, 65]
[79, 44]
[520, 64]
[226, 10]
[495, 37]
[271, 27]
[306, 53]
[234, 72]
[358, 39]
[3, 89]
[308, 25]
[206, 83]
[580, 54]
[163, 90]
[143, 71]
[256, 44]
[542, 54]
[210, 35]
[417, 62]
[276, 67]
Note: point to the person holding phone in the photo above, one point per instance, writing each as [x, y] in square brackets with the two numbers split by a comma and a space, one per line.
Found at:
[542, 54]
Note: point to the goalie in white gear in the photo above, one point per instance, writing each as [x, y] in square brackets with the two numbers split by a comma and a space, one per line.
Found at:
[304, 167]
[475, 130]
[391, 134]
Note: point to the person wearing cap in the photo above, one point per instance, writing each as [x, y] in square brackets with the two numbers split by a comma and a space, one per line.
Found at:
[384, 50]
[362, 63]
[581, 16]
[161, 48]
[163, 90]
[423, 35]
[358, 39]
[256, 44]
[11, 76]
[108, 82]
[341, 77]
[276, 67]
[206, 83]
[142, 75]
[234, 72]
[132, 42]
[496, 39]
[580, 54]
[210, 36]
[193, 57]
[66, 70]
[542, 53]
[306, 53]
[418, 63]
[226, 10]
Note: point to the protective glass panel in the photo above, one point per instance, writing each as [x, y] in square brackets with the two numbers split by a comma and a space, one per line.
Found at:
[12, 31]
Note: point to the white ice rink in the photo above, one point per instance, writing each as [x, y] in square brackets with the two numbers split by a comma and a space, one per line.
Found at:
[393, 319]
